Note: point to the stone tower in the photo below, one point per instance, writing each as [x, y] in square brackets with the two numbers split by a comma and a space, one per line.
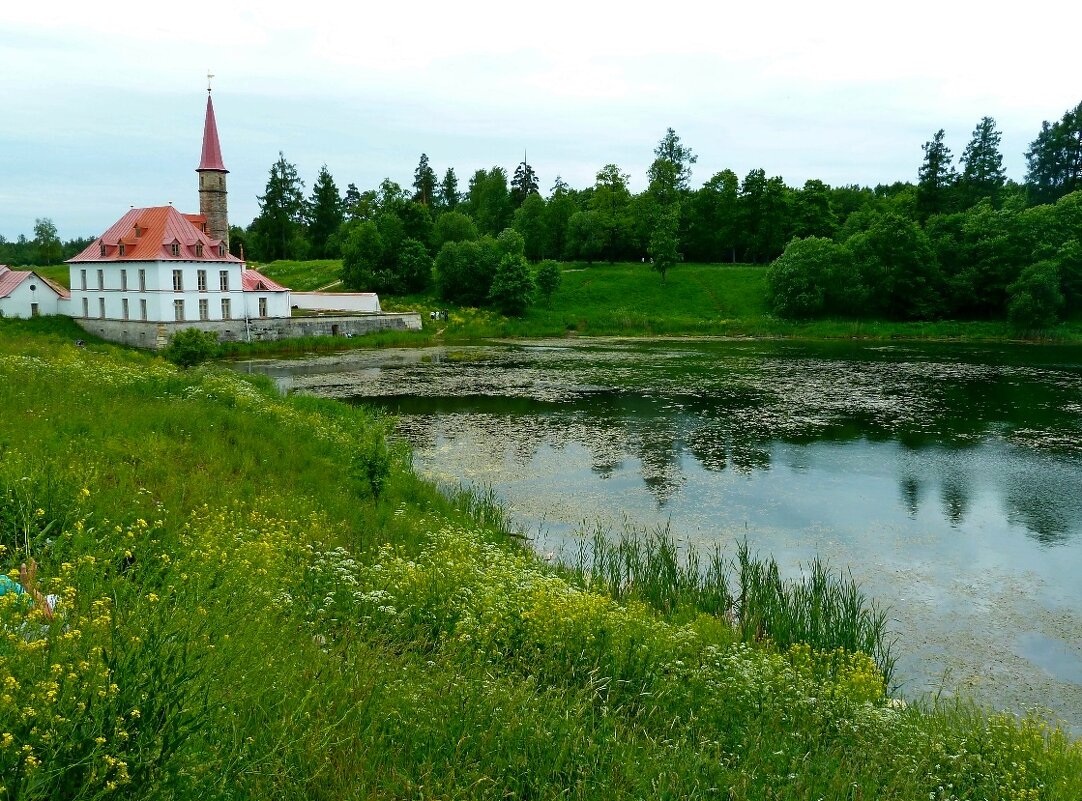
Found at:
[212, 191]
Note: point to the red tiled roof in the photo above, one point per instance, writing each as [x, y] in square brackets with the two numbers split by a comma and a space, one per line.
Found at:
[11, 279]
[149, 234]
[255, 281]
[211, 158]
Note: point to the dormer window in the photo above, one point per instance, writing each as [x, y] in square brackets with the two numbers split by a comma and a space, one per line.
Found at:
[199, 250]
[221, 250]
[101, 249]
[204, 227]
[138, 231]
[122, 250]
[174, 249]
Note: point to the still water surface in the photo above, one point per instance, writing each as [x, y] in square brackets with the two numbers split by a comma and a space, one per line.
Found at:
[946, 478]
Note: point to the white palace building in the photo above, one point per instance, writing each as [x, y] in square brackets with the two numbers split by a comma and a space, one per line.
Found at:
[156, 271]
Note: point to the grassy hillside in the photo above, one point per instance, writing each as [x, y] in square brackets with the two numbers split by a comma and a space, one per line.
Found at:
[631, 300]
[258, 599]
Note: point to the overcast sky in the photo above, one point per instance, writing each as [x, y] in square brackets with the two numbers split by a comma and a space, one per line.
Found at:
[103, 101]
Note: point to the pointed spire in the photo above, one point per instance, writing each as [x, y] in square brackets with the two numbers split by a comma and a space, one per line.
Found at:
[211, 158]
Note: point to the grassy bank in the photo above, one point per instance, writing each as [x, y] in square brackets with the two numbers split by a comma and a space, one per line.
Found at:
[259, 599]
[631, 300]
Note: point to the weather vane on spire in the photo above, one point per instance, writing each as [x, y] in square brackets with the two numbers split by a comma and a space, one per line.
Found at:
[209, 76]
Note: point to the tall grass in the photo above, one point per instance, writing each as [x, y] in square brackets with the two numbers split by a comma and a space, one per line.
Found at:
[258, 599]
[297, 346]
[823, 609]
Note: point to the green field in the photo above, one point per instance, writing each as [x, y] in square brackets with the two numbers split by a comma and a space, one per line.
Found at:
[259, 599]
[631, 300]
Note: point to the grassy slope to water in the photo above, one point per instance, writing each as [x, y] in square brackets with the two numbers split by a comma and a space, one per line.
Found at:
[631, 300]
[259, 600]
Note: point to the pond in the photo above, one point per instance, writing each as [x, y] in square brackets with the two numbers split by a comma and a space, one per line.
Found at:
[947, 478]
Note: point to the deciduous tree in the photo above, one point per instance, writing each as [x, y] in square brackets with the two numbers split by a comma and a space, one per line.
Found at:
[489, 203]
[547, 279]
[47, 247]
[512, 286]
[1054, 158]
[664, 246]
[610, 202]
[454, 226]
[1035, 298]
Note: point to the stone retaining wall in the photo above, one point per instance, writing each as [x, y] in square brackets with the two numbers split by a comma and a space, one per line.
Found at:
[155, 336]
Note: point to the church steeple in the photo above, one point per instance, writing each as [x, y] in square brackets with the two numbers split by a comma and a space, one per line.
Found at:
[212, 172]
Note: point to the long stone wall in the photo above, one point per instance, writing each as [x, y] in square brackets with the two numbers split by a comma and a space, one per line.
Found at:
[155, 336]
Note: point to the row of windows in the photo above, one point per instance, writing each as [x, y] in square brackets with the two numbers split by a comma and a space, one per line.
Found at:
[178, 309]
[178, 280]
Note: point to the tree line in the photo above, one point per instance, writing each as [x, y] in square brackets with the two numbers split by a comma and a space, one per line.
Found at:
[44, 249]
[952, 243]
[963, 240]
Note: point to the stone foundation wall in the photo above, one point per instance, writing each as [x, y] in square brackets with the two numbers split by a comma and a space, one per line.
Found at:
[155, 336]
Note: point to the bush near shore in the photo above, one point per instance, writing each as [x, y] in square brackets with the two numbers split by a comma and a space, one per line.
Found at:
[259, 599]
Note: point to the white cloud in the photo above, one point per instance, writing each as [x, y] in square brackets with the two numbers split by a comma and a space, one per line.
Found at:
[842, 90]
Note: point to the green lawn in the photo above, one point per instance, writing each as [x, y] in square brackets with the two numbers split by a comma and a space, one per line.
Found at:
[303, 276]
[58, 273]
[630, 299]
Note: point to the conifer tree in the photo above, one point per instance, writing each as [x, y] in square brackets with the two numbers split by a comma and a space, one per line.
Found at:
[281, 211]
[523, 183]
[449, 189]
[425, 183]
[326, 212]
[936, 177]
[982, 165]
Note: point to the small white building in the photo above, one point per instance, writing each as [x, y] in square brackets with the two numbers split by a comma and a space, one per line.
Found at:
[24, 293]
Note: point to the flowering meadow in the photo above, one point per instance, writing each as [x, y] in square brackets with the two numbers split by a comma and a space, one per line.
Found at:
[256, 598]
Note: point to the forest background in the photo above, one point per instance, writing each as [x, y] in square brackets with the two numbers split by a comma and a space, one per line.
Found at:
[962, 242]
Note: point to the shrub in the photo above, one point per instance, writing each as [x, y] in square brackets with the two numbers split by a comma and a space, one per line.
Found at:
[813, 277]
[191, 346]
[512, 286]
[1035, 300]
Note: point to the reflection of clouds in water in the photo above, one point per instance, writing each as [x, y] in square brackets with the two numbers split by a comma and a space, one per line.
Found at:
[918, 473]
[626, 406]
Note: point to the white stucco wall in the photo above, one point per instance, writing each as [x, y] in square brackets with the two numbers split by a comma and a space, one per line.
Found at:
[277, 304]
[104, 299]
[336, 301]
[20, 302]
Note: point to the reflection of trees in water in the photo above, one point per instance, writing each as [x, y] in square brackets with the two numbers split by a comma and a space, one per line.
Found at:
[1050, 510]
[954, 495]
[718, 449]
[658, 447]
[911, 491]
[738, 432]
